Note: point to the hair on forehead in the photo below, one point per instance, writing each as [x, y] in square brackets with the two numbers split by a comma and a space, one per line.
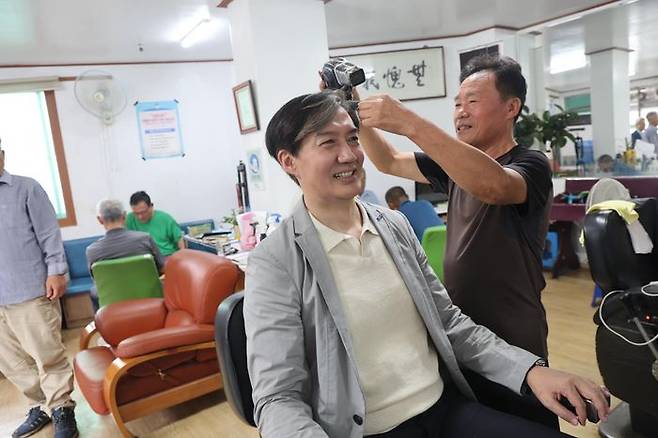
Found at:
[304, 115]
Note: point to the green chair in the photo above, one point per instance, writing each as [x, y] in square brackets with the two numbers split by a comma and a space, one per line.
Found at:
[434, 244]
[126, 278]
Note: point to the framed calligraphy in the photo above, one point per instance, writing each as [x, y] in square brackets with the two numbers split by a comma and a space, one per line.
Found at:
[404, 74]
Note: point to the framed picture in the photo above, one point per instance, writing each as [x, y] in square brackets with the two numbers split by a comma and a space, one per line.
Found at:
[404, 74]
[245, 106]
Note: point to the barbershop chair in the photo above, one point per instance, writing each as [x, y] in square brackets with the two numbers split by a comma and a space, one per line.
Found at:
[231, 344]
[161, 351]
[626, 369]
[126, 278]
[434, 245]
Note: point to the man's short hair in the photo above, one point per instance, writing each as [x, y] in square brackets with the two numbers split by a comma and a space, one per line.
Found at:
[394, 194]
[302, 116]
[509, 79]
[138, 197]
[652, 114]
[110, 210]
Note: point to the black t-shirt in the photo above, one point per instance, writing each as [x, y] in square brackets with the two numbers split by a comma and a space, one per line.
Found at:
[492, 265]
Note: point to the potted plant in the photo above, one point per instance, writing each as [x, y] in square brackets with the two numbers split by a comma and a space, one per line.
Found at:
[549, 130]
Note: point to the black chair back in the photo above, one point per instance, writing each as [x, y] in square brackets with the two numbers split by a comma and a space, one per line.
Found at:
[231, 343]
[613, 262]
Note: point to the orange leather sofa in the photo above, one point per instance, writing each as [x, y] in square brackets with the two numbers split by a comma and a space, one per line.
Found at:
[161, 351]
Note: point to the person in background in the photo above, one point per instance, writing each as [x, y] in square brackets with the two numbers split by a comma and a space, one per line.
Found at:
[160, 225]
[420, 214]
[368, 195]
[639, 131]
[651, 133]
[607, 164]
[32, 279]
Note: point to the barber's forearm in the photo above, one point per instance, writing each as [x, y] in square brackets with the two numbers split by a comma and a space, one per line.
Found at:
[387, 159]
[467, 166]
[181, 243]
[380, 152]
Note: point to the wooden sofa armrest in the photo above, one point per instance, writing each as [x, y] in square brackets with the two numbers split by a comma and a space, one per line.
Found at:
[86, 334]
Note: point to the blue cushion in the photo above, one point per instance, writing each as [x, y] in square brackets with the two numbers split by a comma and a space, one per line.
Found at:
[76, 256]
[79, 285]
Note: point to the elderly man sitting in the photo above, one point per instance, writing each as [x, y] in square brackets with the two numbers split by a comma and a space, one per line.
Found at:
[118, 241]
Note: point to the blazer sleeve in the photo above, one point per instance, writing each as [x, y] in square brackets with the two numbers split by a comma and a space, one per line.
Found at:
[475, 347]
[275, 351]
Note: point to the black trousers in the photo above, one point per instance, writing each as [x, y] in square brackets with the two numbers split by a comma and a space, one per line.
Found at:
[454, 416]
[502, 399]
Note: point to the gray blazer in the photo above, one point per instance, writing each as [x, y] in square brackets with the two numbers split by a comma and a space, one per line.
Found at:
[299, 349]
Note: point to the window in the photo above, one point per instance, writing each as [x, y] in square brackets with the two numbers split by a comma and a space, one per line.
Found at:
[32, 140]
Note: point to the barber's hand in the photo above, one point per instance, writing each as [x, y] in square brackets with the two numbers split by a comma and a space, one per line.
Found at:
[548, 385]
[55, 286]
[384, 112]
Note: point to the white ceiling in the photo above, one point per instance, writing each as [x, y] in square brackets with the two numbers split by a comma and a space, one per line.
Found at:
[92, 31]
[46, 32]
[357, 22]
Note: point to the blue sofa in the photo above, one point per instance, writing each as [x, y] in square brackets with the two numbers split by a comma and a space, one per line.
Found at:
[76, 258]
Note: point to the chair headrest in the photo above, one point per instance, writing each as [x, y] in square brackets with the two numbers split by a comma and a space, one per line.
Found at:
[612, 260]
[197, 282]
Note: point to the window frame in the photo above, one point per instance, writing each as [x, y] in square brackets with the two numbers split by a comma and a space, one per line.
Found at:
[51, 105]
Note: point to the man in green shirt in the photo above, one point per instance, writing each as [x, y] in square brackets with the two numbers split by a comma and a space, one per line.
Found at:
[160, 225]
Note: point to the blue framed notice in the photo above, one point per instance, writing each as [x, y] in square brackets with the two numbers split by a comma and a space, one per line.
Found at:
[159, 129]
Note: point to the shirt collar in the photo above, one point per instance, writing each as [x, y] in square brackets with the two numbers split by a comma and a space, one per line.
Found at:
[6, 178]
[330, 238]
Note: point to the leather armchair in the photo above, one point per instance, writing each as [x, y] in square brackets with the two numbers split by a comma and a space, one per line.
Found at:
[161, 351]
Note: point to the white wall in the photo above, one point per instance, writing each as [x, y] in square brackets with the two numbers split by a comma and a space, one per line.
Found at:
[439, 110]
[106, 161]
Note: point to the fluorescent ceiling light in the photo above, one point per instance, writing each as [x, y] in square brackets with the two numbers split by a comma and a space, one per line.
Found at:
[201, 31]
[568, 60]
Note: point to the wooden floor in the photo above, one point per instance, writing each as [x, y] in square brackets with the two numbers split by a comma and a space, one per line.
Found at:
[571, 347]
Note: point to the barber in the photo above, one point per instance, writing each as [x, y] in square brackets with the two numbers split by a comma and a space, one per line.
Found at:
[499, 198]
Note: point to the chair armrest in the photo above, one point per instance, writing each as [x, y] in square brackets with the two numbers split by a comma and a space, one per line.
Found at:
[165, 338]
[124, 319]
[86, 334]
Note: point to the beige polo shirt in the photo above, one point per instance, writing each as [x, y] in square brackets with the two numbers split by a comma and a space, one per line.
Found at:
[396, 359]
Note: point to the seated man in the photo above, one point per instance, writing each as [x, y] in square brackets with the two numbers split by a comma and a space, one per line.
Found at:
[420, 214]
[349, 332]
[119, 242]
[160, 225]
[607, 164]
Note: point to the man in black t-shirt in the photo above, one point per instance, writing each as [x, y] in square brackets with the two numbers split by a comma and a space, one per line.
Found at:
[500, 195]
